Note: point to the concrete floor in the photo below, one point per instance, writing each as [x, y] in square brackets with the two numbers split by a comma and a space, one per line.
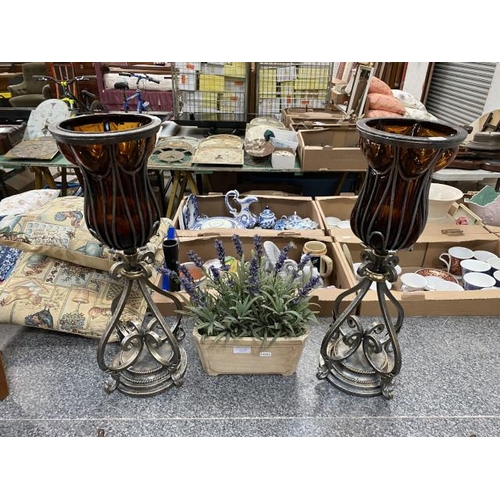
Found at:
[448, 386]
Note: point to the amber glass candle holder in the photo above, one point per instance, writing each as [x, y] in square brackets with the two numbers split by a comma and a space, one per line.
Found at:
[112, 150]
[390, 214]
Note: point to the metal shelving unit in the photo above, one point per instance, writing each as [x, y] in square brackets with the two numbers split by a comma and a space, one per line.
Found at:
[282, 85]
[211, 94]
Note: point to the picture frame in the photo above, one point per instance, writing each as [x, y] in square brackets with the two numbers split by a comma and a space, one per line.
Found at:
[359, 90]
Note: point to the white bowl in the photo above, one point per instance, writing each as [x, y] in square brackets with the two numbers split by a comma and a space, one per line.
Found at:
[441, 198]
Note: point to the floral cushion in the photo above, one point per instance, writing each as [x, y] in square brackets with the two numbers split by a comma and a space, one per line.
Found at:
[58, 230]
[25, 202]
[44, 292]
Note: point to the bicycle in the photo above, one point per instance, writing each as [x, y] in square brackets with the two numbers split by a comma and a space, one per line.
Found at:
[87, 103]
[142, 106]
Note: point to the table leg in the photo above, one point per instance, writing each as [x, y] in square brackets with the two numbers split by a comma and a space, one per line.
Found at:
[173, 194]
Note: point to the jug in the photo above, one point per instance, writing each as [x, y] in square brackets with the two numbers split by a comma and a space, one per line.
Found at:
[244, 217]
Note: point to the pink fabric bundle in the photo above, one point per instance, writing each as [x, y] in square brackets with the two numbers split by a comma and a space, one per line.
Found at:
[381, 101]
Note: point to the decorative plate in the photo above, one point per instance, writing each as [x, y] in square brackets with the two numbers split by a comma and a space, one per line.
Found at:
[437, 273]
[175, 150]
[217, 223]
[220, 149]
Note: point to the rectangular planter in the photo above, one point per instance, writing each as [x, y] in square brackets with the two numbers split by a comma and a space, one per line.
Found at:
[248, 356]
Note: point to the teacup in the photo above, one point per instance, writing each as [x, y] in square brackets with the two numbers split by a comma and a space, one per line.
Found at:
[496, 275]
[412, 282]
[494, 263]
[484, 255]
[317, 250]
[478, 281]
[453, 257]
[473, 265]
[447, 286]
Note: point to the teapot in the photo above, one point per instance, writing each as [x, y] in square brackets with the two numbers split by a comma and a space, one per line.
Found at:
[267, 219]
[244, 217]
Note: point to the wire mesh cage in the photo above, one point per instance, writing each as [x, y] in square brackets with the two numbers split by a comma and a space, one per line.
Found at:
[282, 85]
[210, 93]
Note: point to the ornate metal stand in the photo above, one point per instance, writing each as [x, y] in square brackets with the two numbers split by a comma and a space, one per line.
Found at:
[147, 360]
[120, 210]
[359, 360]
[389, 215]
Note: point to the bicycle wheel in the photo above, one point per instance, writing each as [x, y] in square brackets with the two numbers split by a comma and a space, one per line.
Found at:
[97, 106]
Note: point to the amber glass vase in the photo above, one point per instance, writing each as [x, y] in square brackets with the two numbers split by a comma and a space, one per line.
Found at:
[112, 151]
[403, 153]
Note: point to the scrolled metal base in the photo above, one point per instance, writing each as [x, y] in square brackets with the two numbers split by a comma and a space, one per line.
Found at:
[359, 360]
[148, 359]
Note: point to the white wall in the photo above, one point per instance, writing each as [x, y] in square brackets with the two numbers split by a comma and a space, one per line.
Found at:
[493, 100]
[415, 79]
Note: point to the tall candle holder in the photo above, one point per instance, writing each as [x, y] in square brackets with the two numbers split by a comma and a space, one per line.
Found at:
[389, 215]
[120, 209]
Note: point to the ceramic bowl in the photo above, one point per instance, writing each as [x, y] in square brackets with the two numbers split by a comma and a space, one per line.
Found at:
[441, 198]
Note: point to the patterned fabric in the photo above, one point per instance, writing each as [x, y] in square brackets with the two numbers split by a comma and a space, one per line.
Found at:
[58, 230]
[25, 202]
[44, 292]
[8, 259]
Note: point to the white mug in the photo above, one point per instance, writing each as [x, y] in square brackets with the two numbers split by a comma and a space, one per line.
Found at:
[496, 275]
[484, 255]
[453, 257]
[494, 263]
[319, 258]
[473, 265]
[478, 281]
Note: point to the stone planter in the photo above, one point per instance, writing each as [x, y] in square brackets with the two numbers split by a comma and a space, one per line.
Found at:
[248, 356]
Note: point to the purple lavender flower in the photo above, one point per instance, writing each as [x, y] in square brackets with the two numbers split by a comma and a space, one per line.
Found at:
[257, 244]
[253, 276]
[194, 257]
[302, 292]
[189, 285]
[221, 254]
[306, 258]
[238, 245]
[215, 273]
[282, 257]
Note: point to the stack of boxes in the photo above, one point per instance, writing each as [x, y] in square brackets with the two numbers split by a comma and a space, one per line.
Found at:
[299, 84]
[211, 90]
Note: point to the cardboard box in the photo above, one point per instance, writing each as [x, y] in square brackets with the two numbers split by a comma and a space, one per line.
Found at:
[214, 205]
[321, 298]
[331, 149]
[435, 239]
[341, 208]
[310, 113]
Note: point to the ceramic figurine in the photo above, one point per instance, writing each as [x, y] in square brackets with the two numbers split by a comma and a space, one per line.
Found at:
[267, 219]
[244, 217]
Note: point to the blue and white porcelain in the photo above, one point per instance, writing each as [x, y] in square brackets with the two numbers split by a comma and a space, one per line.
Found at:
[194, 221]
[244, 216]
[217, 223]
[267, 219]
[296, 222]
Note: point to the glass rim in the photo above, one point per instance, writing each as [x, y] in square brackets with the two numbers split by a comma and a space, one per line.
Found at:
[367, 129]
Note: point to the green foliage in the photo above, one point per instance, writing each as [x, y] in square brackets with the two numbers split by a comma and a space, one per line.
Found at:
[247, 298]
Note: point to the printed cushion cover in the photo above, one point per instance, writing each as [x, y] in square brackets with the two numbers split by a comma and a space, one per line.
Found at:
[22, 203]
[44, 292]
[58, 230]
